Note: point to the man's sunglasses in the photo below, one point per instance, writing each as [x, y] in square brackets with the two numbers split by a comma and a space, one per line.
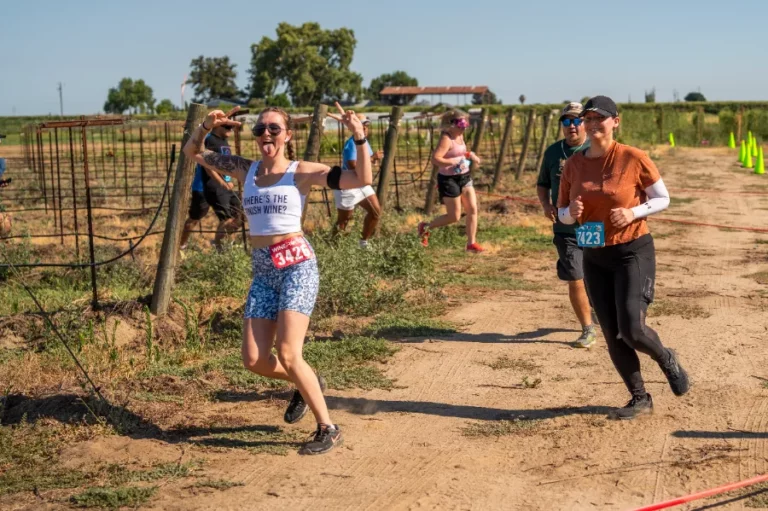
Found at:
[274, 129]
[576, 122]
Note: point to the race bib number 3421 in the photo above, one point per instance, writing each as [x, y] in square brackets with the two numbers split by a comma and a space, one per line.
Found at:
[291, 251]
[591, 235]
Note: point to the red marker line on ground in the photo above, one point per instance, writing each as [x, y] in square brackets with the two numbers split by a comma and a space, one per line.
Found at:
[704, 494]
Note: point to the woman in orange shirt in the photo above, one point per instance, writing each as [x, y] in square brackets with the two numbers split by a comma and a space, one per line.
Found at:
[610, 189]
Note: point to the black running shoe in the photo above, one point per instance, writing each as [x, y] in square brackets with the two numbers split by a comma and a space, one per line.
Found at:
[326, 438]
[637, 406]
[298, 408]
[676, 375]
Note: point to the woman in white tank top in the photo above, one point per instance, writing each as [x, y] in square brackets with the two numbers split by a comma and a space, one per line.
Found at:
[285, 278]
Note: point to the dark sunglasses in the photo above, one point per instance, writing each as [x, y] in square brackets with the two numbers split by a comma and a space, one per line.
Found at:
[576, 122]
[274, 129]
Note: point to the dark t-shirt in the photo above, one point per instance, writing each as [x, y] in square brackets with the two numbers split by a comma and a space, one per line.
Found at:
[218, 145]
[549, 176]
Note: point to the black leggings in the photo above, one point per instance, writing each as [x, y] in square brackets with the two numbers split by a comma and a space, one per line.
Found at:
[620, 281]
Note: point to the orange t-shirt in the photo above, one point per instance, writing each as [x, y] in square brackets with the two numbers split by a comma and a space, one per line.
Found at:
[617, 179]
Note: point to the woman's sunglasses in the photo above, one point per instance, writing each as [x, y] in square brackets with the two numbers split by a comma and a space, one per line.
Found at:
[576, 122]
[274, 129]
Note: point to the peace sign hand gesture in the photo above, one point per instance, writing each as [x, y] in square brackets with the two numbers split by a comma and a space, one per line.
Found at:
[218, 118]
[350, 120]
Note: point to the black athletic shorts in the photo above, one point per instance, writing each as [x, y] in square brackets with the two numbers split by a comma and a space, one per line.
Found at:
[225, 204]
[571, 256]
[452, 186]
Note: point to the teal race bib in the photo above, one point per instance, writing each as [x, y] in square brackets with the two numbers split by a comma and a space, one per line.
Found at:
[591, 235]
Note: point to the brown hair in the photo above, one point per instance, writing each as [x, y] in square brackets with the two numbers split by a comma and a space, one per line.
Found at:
[451, 115]
[290, 149]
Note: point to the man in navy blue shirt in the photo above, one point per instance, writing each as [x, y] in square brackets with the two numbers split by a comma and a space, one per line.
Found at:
[346, 200]
[210, 190]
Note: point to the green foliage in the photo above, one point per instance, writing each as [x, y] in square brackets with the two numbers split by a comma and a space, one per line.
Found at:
[29, 456]
[396, 79]
[650, 96]
[213, 77]
[487, 98]
[280, 100]
[130, 95]
[310, 62]
[113, 498]
[216, 273]
[694, 96]
[345, 363]
[360, 282]
[166, 106]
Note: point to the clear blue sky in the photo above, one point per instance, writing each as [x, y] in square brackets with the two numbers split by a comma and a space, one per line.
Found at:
[548, 50]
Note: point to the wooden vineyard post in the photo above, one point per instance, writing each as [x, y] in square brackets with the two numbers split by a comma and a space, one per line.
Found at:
[503, 147]
[312, 152]
[547, 120]
[390, 149]
[526, 143]
[185, 173]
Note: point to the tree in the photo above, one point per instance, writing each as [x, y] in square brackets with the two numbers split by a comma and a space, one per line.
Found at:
[281, 100]
[213, 77]
[165, 106]
[694, 96]
[310, 62]
[487, 98]
[130, 95]
[396, 79]
[522, 99]
[650, 96]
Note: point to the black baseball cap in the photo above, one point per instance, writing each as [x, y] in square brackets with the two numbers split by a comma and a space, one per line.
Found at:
[603, 105]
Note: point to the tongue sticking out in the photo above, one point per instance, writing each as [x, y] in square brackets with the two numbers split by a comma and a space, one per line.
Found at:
[268, 148]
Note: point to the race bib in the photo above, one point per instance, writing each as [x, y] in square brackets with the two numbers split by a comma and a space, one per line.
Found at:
[291, 251]
[591, 235]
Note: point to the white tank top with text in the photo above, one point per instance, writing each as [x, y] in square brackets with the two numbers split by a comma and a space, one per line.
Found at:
[273, 209]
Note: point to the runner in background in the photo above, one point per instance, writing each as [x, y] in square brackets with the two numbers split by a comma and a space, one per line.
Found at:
[454, 184]
[210, 190]
[569, 264]
[610, 189]
[346, 200]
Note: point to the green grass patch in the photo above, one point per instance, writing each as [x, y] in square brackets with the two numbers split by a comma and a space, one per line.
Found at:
[119, 475]
[346, 363]
[499, 428]
[677, 308]
[761, 241]
[680, 201]
[29, 460]
[504, 362]
[113, 498]
[760, 277]
[404, 325]
[254, 439]
[217, 484]
[494, 282]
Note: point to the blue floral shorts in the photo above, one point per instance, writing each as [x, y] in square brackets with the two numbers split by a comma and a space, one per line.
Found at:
[289, 289]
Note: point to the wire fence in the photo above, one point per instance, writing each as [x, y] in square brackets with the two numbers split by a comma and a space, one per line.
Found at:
[104, 181]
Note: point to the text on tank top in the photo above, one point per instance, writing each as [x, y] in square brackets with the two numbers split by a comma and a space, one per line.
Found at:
[273, 209]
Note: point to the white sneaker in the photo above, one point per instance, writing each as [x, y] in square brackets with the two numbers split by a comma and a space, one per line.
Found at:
[364, 244]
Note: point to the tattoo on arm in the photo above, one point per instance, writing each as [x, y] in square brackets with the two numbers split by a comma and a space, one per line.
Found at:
[227, 163]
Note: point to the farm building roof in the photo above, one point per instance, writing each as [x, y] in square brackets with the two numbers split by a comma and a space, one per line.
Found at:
[415, 91]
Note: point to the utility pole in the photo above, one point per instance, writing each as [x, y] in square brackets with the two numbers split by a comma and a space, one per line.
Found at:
[61, 100]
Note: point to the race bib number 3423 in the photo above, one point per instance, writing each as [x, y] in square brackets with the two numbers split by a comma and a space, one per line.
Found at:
[591, 235]
[291, 251]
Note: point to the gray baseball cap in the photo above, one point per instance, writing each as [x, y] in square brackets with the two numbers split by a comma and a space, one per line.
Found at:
[573, 108]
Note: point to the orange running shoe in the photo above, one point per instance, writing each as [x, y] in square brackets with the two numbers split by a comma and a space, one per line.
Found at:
[424, 233]
[475, 248]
